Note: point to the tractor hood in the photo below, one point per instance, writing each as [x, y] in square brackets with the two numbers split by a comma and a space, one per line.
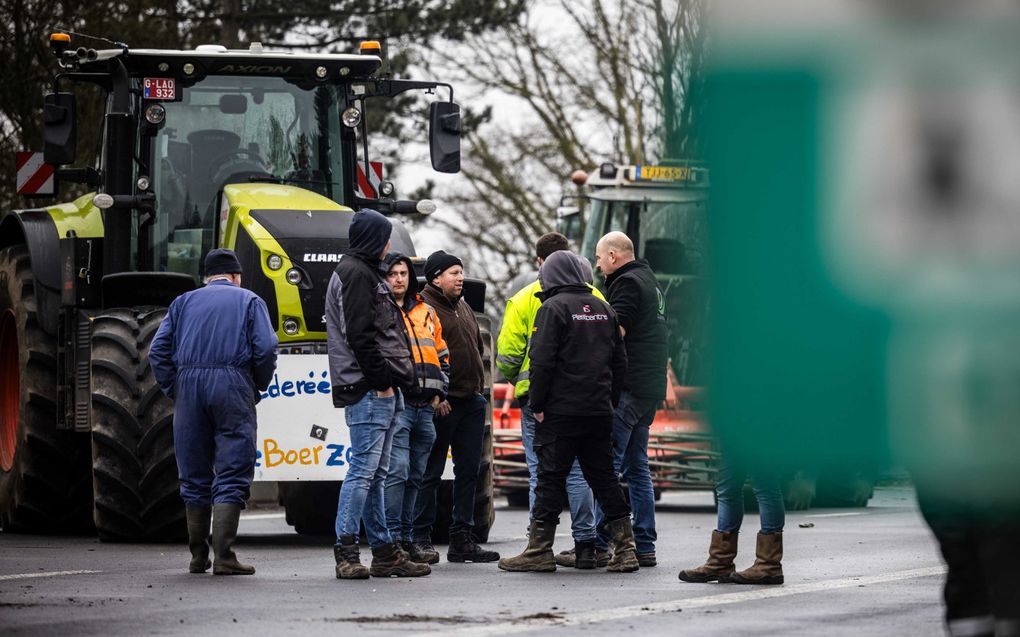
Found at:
[281, 231]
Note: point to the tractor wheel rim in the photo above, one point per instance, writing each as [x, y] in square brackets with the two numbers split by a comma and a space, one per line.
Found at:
[10, 389]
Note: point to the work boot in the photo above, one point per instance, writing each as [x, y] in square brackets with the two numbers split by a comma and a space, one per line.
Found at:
[389, 560]
[767, 567]
[224, 531]
[568, 558]
[348, 559]
[463, 549]
[198, 538]
[584, 555]
[538, 557]
[719, 566]
[624, 560]
[646, 559]
[423, 553]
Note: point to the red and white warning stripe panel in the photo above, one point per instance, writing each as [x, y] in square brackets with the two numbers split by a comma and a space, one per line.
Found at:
[35, 176]
[368, 187]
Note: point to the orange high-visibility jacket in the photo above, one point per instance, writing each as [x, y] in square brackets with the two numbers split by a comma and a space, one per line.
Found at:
[428, 350]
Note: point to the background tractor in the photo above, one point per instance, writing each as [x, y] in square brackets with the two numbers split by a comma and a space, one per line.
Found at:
[253, 150]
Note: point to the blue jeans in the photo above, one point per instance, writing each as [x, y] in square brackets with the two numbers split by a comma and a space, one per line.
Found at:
[462, 432]
[579, 497]
[631, 421]
[729, 491]
[412, 443]
[372, 423]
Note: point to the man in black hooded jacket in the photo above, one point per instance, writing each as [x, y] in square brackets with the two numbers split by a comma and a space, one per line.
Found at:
[369, 364]
[578, 363]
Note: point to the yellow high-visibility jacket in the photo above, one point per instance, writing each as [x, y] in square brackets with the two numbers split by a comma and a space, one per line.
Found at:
[512, 357]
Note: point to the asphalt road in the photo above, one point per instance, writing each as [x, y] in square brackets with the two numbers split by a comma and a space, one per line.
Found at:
[873, 571]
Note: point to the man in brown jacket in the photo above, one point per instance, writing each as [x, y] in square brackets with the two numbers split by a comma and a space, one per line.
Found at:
[460, 419]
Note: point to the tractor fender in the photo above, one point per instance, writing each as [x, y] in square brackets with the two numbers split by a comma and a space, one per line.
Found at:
[36, 230]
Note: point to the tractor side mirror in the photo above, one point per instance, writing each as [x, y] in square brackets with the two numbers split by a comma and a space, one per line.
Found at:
[60, 128]
[444, 136]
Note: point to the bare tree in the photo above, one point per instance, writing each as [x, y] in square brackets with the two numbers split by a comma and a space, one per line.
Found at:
[566, 88]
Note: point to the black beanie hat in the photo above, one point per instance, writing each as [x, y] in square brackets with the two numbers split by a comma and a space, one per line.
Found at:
[222, 261]
[439, 262]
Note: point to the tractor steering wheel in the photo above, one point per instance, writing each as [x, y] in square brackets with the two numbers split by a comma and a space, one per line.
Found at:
[237, 152]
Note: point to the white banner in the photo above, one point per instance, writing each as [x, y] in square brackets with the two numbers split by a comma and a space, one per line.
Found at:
[301, 435]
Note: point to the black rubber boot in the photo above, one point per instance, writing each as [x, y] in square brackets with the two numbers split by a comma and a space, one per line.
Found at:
[348, 559]
[390, 560]
[463, 549]
[584, 555]
[224, 531]
[198, 538]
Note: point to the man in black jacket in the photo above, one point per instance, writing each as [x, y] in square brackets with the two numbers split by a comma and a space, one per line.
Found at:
[635, 296]
[578, 363]
[369, 363]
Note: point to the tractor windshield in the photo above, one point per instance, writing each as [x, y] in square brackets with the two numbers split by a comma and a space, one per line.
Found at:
[667, 231]
[236, 130]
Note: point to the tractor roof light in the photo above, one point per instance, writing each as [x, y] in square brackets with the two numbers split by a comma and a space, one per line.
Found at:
[351, 117]
[143, 183]
[155, 114]
[188, 68]
[59, 42]
[321, 72]
[370, 47]
[607, 171]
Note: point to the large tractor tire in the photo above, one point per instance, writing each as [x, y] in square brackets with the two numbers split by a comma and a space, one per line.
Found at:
[310, 506]
[134, 467]
[846, 488]
[45, 482]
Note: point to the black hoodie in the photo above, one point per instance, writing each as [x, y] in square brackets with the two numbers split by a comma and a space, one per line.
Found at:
[634, 294]
[366, 340]
[578, 361]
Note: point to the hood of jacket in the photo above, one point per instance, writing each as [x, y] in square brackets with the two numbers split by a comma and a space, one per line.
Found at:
[561, 268]
[369, 232]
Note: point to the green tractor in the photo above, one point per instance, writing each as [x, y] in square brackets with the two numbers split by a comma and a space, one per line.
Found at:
[253, 150]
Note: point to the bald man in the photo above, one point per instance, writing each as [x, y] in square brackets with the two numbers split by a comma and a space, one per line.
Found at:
[640, 307]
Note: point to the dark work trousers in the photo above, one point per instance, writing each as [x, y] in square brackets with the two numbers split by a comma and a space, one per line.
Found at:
[461, 432]
[214, 434]
[981, 547]
[559, 440]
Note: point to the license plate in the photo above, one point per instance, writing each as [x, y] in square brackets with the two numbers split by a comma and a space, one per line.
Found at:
[159, 88]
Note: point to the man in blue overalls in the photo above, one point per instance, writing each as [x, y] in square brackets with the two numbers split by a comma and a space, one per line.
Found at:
[213, 354]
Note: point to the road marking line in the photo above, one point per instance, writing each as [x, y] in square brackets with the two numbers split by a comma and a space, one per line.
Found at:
[49, 574]
[264, 516]
[834, 515]
[657, 608]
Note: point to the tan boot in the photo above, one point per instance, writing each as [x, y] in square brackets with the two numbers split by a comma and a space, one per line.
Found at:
[624, 560]
[719, 566]
[390, 560]
[767, 567]
[538, 557]
[348, 559]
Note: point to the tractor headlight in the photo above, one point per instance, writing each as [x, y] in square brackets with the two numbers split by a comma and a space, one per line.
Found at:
[320, 72]
[425, 207]
[143, 183]
[291, 326]
[293, 276]
[155, 114]
[274, 262]
[351, 117]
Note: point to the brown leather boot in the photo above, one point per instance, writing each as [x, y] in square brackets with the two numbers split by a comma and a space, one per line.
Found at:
[348, 559]
[390, 560]
[767, 567]
[624, 559]
[538, 557]
[719, 566]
